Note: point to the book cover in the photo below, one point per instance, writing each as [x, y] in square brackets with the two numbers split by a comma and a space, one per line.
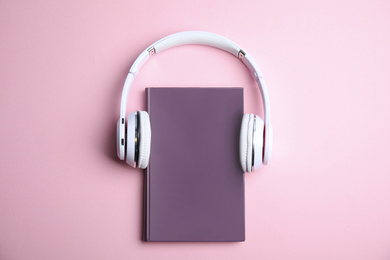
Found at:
[194, 185]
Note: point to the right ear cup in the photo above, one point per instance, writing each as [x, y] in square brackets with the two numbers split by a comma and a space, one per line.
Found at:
[145, 140]
[246, 142]
[258, 141]
[251, 142]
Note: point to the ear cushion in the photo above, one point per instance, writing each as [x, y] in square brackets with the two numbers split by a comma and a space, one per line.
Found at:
[243, 141]
[246, 135]
[145, 140]
[250, 144]
[130, 139]
[258, 139]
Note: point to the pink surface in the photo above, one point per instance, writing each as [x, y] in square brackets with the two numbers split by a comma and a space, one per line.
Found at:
[63, 193]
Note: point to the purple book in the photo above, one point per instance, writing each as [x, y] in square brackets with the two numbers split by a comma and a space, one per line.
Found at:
[194, 185]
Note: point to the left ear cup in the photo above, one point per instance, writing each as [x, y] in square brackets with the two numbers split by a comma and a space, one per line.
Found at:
[131, 136]
[138, 139]
[120, 139]
[145, 140]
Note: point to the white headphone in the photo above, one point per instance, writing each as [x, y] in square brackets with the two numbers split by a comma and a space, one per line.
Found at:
[255, 136]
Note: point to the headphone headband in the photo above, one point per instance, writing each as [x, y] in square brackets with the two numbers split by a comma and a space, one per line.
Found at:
[200, 38]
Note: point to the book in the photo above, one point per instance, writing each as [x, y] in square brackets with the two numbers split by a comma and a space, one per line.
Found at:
[194, 184]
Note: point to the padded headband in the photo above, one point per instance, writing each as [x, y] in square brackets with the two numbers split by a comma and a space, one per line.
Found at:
[199, 38]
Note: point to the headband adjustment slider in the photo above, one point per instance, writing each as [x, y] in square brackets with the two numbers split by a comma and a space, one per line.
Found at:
[151, 51]
[241, 55]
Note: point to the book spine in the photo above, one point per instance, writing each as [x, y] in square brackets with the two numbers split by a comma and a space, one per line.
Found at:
[146, 231]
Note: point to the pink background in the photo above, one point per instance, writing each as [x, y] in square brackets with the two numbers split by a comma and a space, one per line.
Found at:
[65, 195]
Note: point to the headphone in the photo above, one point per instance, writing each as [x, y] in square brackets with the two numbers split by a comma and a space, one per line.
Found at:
[134, 142]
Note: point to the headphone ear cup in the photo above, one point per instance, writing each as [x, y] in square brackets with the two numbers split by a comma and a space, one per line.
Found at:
[258, 141]
[145, 136]
[268, 144]
[130, 139]
[243, 142]
[246, 135]
[120, 139]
